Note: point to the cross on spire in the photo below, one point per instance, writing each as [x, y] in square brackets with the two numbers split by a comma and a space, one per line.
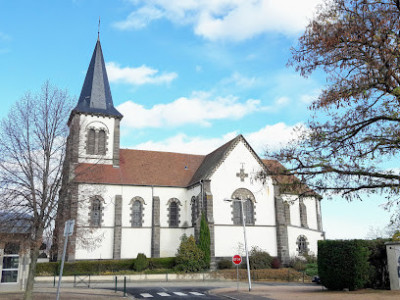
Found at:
[98, 30]
[242, 175]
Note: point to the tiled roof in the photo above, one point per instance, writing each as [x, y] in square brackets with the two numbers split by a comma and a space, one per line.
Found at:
[212, 160]
[95, 97]
[140, 167]
[14, 223]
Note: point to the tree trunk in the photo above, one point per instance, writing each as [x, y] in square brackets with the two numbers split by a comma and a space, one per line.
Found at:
[31, 273]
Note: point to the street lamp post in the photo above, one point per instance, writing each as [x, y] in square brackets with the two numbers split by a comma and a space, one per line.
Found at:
[245, 238]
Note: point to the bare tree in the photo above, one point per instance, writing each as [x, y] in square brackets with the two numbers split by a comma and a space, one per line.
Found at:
[32, 149]
[356, 126]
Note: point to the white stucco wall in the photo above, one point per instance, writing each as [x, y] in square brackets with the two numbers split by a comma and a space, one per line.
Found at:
[135, 241]
[312, 237]
[230, 237]
[102, 249]
[311, 207]
[224, 182]
[170, 239]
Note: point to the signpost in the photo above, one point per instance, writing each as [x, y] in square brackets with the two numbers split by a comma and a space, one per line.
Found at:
[237, 260]
[68, 231]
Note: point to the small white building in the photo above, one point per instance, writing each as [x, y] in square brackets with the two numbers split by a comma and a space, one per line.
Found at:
[127, 201]
[14, 252]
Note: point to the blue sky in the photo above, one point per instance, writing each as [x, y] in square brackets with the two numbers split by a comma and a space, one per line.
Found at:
[187, 75]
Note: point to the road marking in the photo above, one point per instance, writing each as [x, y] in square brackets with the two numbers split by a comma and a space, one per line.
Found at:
[164, 294]
[146, 295]
[180, 294]
[196, 294]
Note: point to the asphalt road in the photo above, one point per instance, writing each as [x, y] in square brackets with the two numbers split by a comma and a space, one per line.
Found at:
[172, 292]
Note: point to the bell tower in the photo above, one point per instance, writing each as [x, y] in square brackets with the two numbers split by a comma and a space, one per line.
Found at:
[95, 123]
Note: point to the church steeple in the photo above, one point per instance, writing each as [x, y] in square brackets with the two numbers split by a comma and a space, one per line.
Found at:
[95, 97]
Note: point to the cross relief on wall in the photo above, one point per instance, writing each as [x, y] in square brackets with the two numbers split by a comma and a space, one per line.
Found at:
[242, 175]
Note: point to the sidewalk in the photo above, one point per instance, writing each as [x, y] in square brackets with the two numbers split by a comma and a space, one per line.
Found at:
[68, 293]
[260, 291]
[301, 292]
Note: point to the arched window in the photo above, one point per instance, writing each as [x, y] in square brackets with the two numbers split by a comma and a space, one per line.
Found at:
[96, 212]
[237, 213]
[137, 214]
[96, 141]
[249, 212]
[91, 137]
[173, 207]
[193, 204]
[173, 215]
[286, 209]
[303, 213]
[249, 200]
[102, 142]
[302, 245]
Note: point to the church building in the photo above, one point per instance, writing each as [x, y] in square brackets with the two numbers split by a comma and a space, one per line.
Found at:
[129, 201]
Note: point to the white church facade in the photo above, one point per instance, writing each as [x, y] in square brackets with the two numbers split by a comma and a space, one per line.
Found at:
[129, 201]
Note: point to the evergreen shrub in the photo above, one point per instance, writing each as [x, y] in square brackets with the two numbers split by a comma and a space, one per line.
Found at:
[225, 264]
[343, 264]
[379, 273]
[275, 263]
[259, 259]
[141, 263]
[205, 241]
[189, 258]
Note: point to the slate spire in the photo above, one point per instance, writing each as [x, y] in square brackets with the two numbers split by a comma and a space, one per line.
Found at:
[95, 97]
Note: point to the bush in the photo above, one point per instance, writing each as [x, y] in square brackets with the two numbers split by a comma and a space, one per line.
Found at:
[102, 266]
[162, 263]
[311, 269]
[141, 263]
[224, 264]
[275, 263]
[259, 259]
[298, 263]
[379, 274]
[47, 269]
[343, 264]
[189, 257]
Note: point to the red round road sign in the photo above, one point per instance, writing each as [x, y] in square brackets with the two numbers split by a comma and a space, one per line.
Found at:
[237, 259]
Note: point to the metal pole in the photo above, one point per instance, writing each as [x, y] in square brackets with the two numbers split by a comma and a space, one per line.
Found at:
[245, 246]
[124, 286]
[116, 284]
[237, 277]
[62, 267]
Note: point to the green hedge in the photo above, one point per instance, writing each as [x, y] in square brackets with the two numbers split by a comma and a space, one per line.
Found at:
[378, 274]
[100, 266]
[162, 263]
[343, 264]
[353, 264]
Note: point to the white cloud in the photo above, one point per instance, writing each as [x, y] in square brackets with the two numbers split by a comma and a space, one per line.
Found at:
[137, 76]
[234, 20]
[4, 37]
[282, 101]
[310, 97]
[240, 80]
[271, 136]
[200, 108]
[181, 143]
[140, 18]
